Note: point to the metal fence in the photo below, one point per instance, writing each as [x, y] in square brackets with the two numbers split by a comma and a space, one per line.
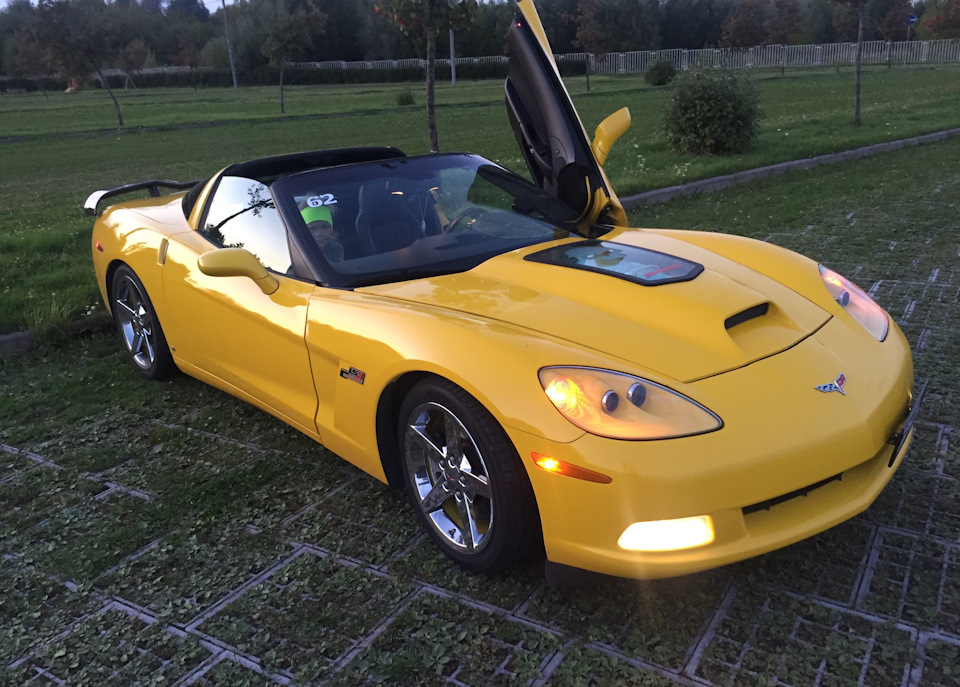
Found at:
[766, 56]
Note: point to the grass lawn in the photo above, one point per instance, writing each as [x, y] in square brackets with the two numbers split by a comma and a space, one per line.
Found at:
[169, 533]
[60, 148]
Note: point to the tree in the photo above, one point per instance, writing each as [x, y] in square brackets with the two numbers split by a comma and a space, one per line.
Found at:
[421, 21]
[890, 25]
[743, 27]
[30, 59]
[617, 25]
[693, 23]
[188, 9]
[941, 19]
[77, 39]
[188, 55]
[818, 15]
[784, 25]
[290, 35]
[132, 58]
[859, 7]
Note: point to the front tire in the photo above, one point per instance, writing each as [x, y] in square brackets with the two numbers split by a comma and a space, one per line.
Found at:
[138, 326]
[465, 479]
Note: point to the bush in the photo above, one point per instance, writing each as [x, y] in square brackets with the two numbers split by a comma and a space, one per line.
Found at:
[660, 73]
[405, 97]
[712, 113]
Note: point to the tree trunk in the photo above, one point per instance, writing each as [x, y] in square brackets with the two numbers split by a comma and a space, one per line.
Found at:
[857, 61]
[116, 103]
[283, 64]
[430, 24]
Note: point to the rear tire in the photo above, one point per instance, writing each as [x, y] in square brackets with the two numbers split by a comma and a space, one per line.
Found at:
[465, 479]
[138, 326]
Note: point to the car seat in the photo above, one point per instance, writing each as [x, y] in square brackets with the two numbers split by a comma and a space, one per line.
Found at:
[385, 222]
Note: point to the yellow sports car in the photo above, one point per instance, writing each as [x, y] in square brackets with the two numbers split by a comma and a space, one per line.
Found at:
[538, 377]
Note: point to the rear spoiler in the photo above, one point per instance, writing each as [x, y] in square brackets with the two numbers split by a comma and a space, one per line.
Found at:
[91, 205]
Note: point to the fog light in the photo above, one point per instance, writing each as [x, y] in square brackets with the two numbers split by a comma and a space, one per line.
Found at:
[668, 535]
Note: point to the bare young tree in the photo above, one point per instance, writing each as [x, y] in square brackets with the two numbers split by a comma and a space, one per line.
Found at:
[290, 36]
[860, 7]
[421, 21]
[132, 58]
[76, 37]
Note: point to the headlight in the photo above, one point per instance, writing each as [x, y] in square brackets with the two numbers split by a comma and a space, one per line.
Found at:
[621, 406]
[859, 305]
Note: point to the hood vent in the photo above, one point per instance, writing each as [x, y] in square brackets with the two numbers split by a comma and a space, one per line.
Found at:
[746, 315]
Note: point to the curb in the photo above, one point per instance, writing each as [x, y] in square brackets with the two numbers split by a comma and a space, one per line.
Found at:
[719, 183]
[18, 342]
[24, 341]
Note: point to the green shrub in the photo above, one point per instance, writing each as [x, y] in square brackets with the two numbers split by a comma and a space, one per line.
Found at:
[660, 73]
[712, 113]
[405, 97]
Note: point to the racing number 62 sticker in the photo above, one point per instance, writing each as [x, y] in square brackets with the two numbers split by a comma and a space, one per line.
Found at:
[322, 199]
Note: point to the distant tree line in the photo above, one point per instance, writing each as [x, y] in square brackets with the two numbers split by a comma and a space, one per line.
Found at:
[130, 35]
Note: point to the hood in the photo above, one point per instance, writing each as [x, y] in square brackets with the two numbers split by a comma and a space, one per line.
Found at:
[721, 318]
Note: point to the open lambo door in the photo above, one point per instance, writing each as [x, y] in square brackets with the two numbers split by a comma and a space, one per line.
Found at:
[552, 139]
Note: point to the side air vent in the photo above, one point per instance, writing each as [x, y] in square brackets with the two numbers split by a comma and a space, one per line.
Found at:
[746, 315]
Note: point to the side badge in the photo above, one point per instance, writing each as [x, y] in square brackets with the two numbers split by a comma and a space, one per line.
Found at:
[354, 375]
[836, 385]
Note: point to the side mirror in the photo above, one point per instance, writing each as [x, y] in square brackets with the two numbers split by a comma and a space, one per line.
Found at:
[610, 129]
[237, 262]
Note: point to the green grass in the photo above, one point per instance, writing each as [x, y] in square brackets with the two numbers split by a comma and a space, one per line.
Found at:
[45, 272]
[232, 491]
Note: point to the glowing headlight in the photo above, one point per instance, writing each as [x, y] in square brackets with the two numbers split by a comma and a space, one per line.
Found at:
[621, 406]
[858, 304]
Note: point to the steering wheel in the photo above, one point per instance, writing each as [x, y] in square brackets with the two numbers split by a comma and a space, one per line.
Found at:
[471, 213]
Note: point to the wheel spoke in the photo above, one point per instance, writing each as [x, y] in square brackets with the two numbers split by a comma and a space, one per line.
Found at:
[475, 485]
[434, 453]
[434, 498]
[468, 528]
[148, 344]
[452, 431]
[136, 344]
[130, 312]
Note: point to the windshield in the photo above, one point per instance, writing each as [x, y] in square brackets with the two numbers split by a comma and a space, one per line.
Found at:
[413, 217]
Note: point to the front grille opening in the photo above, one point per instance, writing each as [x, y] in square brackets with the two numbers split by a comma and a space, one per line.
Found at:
[783, 498]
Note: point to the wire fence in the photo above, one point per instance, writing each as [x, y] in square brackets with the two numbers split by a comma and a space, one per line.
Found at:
[766, 56]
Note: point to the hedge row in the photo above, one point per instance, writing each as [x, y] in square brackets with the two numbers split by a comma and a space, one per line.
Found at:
[296, 76]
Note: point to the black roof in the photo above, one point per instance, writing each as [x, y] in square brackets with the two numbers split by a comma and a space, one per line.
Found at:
[269, 169]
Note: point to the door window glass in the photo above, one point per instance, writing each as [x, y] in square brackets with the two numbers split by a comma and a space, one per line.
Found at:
[243, 215]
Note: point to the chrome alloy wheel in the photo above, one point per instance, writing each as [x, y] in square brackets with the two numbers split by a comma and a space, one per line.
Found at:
[135, 322]
[446, 469]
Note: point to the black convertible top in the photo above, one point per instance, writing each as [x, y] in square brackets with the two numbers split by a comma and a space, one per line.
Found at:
[265, 170]
[268, 169]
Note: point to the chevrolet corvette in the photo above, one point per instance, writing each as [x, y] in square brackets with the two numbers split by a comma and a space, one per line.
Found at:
[541, 379]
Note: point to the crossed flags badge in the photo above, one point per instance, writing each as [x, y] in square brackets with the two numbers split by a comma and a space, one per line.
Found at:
[835, 385]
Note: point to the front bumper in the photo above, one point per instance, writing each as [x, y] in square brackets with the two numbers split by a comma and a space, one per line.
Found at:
[790, 462]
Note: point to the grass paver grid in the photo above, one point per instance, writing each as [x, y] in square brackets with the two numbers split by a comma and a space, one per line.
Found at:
[259, 626]
[250, 556]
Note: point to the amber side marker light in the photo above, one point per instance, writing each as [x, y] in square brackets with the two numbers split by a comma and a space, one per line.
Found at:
[668, 535]
[559, 467]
